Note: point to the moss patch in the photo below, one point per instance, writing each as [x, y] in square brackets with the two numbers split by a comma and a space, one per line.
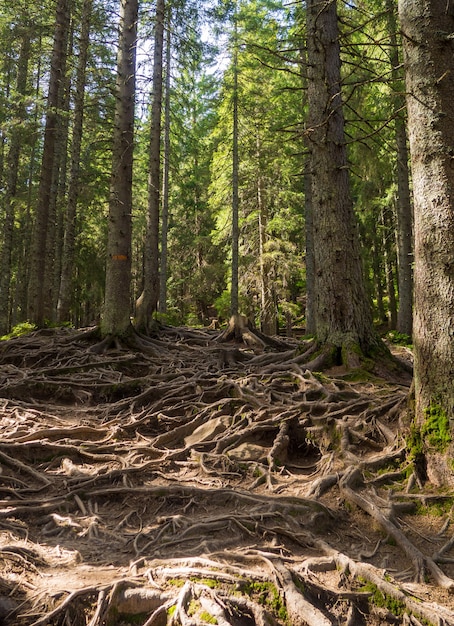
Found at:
[384, 601]
[267, 595]
[436, 429]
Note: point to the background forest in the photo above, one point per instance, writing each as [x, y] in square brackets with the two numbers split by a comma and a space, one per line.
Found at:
[56, 142]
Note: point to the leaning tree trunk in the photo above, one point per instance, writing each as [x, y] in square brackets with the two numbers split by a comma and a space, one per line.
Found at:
[342, 311]
[65, 290]
[427, 27]
[11, 183]
[38, 258]
[117, 305]
[148, 300]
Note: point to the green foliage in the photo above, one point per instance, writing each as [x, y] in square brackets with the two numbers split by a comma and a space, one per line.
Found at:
[23, 328]
[204, 616]
[400, 339]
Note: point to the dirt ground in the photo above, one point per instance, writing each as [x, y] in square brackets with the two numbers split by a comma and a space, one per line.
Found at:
[195, 482]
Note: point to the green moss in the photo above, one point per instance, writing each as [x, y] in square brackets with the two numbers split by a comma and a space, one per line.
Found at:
[193, 607]
[435, 509]
[436, 428]
[206, 617]
[267, 595]
[358, 375]
[384, 601]
[212, 583]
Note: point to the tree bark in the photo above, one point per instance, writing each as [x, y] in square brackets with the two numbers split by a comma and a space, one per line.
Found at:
[117, 305]
[57, 193]
[234, 288]
[342, 312]
[310, 252]
[147, 302]
[39, 242]
[427, 27]
[389, 259]
[268, 322]
[65, 291]
[404, 202]
[165, 181]
[11, 183]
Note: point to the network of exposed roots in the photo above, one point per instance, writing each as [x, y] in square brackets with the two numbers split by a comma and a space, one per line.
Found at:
[188, 481]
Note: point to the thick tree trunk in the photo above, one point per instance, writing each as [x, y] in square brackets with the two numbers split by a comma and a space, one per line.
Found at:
[427, 27]
[39, 243]
[65, 291]
[11, 184]
[147, 302]
[117, 306]
[342, 312]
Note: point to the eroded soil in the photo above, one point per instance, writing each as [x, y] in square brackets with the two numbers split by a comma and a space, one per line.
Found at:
[196, 482]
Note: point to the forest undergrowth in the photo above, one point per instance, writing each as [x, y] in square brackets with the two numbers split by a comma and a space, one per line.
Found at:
[211, 483]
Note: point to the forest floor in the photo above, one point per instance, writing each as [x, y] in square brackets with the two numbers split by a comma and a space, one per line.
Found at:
[200, 482]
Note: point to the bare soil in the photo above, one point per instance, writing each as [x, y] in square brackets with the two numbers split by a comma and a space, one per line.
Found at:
[194, 482]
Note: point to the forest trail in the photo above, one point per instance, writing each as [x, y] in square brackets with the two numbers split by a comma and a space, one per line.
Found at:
[208, 483]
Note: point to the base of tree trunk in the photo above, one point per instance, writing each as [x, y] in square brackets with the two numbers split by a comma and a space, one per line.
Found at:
[241, 330]
[130, 340]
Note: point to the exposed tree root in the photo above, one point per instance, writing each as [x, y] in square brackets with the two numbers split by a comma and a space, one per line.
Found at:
[175, 480]
[240, 330]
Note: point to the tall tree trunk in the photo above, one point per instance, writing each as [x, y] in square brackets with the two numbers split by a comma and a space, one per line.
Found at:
[404, 203]
[310, 251]
[342, 311]
[117, 305]
[234, 288]
[65, 291]
[377, 269]
[20, 308]
[11, 183]
[427, 27]
[267, 309]
[148, 300]
[57, 195]
[39, 242]
[309, 260]
[165, 180]
[390, 263]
